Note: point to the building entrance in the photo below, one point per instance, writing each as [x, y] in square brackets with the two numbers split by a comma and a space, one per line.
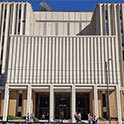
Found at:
[62, 105]
[42, 106]
[82, 104]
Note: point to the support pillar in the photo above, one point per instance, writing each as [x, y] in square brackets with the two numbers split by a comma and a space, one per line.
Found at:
[118, 104]
[51, 103]
[6, 103]
[95, 101]
[73, 107]
[29, 95]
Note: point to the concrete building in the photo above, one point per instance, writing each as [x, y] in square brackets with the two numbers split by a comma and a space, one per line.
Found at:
[55, 61]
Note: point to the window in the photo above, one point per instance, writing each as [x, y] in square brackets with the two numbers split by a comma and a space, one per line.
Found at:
[106, 28]
[4, 26]
[19, 14]
[120, 14]
[122, 41]
[20, 99]
[5, 11]
[123, 55]
[3, 41]
[106, 14]
[0, 68]
[121, 28]
[1, 55]
[18, 27]
[104, 100]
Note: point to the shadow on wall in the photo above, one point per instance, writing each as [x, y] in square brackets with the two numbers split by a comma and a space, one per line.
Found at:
[3, 76]
[89, 29]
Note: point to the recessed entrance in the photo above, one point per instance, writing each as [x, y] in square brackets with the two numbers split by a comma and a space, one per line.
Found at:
[62, 104]
[82, 104]
[42, 106]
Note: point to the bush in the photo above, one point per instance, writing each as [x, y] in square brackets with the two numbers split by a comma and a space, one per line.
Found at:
[102, 119]
[114, 118]
[14, 118]
[122, 119]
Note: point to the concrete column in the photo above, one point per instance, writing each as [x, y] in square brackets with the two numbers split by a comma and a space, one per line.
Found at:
[95, 101]
[6, 103]
[73, 107]
[51, 103]
[118, 104]
[29, 95]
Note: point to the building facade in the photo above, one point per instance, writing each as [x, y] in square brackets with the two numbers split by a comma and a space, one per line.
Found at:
[53, 62]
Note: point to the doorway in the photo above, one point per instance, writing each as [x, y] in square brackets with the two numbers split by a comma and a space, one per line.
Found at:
[82, 104]
[42, 106]
[62, 104]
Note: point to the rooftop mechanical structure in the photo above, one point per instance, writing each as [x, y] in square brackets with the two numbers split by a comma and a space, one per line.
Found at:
[43, 6]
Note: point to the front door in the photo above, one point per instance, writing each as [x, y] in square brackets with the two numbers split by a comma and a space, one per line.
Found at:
[82, 104]
[62, 105]
[42, 106]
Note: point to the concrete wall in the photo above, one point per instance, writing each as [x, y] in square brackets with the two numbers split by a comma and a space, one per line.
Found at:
[15, 18]
[114, 25]
[60, 23]
[62, 60]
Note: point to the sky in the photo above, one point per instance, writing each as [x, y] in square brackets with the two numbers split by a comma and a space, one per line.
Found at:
[69, 5]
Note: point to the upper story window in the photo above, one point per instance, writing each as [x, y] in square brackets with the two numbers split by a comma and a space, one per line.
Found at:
[122, 41]
[0, 68]
[123, 55]
[20, 12]
[5, 11]
[120, 14]
[106, 28]
[121, 28]
[106, 14]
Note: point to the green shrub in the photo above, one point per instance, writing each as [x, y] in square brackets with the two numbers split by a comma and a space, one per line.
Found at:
[14, 118]
[122, 119]
[102, 119]
[114, 118]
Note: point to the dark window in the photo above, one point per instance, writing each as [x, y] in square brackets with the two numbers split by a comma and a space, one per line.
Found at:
[19, 114]
[121, 28]
[1, 55]
[18, 27]
[122, 41]
[19, 13]
[24, 19]
[20, 99]
[4, 26]
[3, 41]
[123, 55]
[104, 100]
[104, 114]
[16, 17]
[5, 11]
[11, 18]
[106, 14]
[0, 68]
[120, 14]
[106, 28]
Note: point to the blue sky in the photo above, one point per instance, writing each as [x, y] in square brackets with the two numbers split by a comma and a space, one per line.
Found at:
[69, 5]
